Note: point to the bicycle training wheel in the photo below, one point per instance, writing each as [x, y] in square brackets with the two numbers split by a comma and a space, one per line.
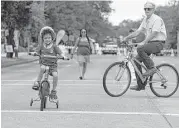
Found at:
[167, 84]
[117, 79]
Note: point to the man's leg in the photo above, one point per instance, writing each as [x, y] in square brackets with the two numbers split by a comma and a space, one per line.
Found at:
[144, 52]
[139, 82]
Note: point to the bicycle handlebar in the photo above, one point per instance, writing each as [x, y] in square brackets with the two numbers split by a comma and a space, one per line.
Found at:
[49, 56]
[130, 44]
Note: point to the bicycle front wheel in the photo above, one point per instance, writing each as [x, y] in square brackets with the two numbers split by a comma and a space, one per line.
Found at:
[45, 88]
[43, 100]
[166, 84]
[117, 79]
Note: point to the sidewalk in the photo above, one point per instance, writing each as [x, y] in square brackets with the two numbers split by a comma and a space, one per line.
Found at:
[23, 58]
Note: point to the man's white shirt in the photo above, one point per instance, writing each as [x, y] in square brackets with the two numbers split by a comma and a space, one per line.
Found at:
[154, 23]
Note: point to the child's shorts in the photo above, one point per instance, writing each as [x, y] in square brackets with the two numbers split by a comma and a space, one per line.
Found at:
[51, 69]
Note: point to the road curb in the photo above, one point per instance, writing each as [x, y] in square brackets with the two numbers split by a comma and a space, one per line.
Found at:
[18, 63]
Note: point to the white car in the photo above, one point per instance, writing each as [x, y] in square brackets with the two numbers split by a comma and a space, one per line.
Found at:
[110, 48]
[64, 50]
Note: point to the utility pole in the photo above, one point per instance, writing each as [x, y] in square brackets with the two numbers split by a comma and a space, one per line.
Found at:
[178, 42]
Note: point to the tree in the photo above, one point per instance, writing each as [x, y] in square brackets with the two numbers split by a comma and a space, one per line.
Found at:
[14, 13]
[170, 15]
[73, 16]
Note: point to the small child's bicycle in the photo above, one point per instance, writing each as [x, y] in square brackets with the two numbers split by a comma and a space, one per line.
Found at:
[44, 89]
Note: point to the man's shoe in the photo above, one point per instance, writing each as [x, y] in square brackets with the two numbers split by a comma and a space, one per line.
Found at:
[53, 94]
[150, 72]
[36, 86]
[137, 88]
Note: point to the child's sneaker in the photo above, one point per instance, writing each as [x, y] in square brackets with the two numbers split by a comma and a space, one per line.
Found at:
[53, 94]
[36, 85]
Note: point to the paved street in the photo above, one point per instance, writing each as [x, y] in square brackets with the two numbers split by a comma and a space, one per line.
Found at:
[83, 103]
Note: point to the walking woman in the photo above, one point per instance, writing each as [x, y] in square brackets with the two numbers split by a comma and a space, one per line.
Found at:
[85, 48]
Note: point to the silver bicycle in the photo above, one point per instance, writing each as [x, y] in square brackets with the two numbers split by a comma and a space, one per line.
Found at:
[117, 77]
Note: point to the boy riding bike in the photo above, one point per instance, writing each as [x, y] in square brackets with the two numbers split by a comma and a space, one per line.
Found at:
[47, 47]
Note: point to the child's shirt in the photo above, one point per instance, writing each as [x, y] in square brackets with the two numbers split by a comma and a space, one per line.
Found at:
[53, 50]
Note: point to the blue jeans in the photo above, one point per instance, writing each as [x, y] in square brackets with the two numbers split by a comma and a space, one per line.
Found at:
[144, 53]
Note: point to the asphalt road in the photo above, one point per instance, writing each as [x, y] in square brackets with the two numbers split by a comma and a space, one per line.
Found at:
[83, 103]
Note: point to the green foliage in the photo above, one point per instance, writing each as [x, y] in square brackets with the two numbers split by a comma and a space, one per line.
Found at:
[68, 15]
[75, 15]
[15, 13]
[170, 15]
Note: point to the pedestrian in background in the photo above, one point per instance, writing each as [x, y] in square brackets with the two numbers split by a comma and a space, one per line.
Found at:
[85, 49]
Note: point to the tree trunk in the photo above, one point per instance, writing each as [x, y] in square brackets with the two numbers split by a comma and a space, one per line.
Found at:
[10, 41]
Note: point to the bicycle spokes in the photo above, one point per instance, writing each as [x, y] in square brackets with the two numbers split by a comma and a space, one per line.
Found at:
[164, 82]
[120, 73]
[116, 79]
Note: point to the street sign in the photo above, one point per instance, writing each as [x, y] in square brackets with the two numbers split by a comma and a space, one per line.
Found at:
[9, 48]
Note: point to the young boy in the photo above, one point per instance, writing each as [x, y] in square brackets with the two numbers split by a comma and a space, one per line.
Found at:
[47, 47]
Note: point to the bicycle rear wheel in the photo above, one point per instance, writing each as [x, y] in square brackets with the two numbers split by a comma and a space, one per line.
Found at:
[117, 79]
[167, 84]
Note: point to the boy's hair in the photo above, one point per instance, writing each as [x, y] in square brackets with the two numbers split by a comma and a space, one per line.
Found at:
[46, 30]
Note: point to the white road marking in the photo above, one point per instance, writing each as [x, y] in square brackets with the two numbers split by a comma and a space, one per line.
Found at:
[62, 84]
[50, 80]
[90, 112]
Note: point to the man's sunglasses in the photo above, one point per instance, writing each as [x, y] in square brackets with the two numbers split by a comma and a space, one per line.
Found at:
[148, 9]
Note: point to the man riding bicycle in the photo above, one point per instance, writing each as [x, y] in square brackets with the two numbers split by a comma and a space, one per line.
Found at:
[155, 32]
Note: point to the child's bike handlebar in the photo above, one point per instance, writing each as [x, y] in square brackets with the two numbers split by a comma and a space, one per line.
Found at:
[49, 56]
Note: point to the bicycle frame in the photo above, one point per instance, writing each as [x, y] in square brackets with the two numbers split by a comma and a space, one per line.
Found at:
[143, 79]
[46, 75]
[130, 58]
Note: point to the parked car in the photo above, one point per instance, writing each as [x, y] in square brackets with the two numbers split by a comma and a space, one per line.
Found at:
[110, 48]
